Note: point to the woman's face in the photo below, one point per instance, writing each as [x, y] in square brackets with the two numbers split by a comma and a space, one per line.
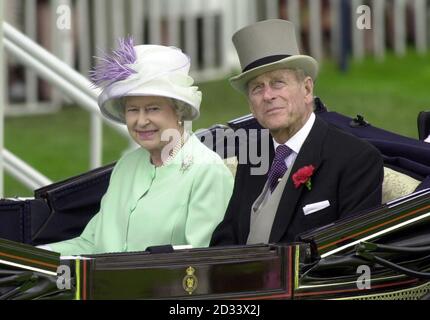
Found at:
[147, 118]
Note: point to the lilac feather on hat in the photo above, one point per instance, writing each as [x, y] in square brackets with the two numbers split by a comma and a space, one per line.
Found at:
[113, 67]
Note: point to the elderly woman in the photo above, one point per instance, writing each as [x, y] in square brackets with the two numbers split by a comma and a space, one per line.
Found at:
[171, 190]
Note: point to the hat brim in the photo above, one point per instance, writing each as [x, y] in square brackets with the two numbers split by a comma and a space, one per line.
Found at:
[308, 64]
[111, 107]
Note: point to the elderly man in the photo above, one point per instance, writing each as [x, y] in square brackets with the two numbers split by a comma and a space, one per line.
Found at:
[318, 174]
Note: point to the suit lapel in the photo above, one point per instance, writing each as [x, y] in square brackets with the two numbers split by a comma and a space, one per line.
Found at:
[310, 154]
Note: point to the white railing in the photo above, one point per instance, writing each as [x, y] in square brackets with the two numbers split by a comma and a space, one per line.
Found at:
[2, 99]
[55, 71]
[71, 83]
[23, 172]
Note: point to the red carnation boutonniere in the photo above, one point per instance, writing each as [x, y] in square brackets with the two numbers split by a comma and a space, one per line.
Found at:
[303, 176]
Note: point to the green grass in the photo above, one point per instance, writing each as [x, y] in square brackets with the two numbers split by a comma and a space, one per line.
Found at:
[388, 94]
[57, 145]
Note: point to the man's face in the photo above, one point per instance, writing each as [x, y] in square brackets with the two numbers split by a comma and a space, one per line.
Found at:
[280, 102]
[147, 118]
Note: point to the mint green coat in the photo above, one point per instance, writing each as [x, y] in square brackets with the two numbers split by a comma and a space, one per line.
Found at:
[179, 203]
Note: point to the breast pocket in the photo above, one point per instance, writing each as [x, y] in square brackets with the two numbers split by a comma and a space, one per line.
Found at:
[315, 207]
[317, 214]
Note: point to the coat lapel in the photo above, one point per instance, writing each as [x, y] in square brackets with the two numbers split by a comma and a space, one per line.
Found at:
[310, 154]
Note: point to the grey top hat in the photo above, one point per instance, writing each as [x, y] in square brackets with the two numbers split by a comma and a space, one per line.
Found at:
[266, 46]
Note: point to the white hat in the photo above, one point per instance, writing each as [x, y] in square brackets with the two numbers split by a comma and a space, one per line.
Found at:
[145, 70]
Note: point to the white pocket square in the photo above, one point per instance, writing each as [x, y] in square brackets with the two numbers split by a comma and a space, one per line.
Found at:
[314, 207]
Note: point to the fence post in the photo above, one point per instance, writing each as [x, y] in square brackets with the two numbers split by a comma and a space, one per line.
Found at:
[191, 32]
[174, 12]
[379, 28]
[117, 18]
[293, 8]
[96, 125]
[252, 11]
[30, 28]
[335, 29]
[420, 14]
[154, 22]
[83, 28]
[62, 39]
[241, 14]
[357, 34]
[209, 35]
[228, 53]
[315, 29]
[272, 10]
[3, 69]
[100, 26]
[345, 34]
[400, 27]
[96, 141]
[137, 20]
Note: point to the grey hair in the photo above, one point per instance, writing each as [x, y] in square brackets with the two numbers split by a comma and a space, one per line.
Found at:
[299, 74]
[182, 109]
[121, 111]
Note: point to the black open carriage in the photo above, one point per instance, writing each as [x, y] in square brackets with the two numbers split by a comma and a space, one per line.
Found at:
[383, 253]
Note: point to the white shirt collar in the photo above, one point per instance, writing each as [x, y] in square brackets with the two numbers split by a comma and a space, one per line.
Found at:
[295, 142]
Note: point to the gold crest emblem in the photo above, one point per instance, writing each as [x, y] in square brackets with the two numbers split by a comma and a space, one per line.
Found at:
[190, 282]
